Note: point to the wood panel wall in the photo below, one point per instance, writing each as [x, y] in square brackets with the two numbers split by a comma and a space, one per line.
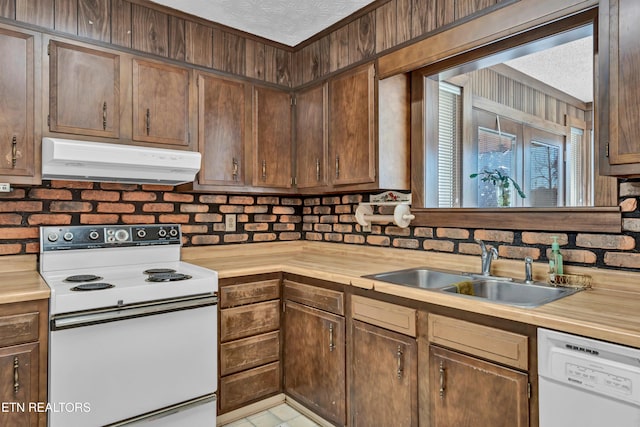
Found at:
[157, 30]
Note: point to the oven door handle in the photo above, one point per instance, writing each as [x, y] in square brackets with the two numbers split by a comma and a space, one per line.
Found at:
[93, 317]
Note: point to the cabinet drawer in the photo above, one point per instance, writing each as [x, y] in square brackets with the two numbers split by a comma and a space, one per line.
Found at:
[236, 356]
[490, 343]
[314, 296]
[248, 320]
[239, 389]
[248, 293]
[18, 329]
[389, 316]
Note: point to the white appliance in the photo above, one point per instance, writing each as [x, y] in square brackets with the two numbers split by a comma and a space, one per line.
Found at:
[587, 383]
[104, 162]
[133, 330]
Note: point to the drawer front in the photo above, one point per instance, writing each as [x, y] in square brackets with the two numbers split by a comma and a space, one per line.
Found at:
[248, 320]
[490, 343]
[314, 296]
[389, 316]
[239, 389]
[249, 293]
[18, 329]
[247, 353]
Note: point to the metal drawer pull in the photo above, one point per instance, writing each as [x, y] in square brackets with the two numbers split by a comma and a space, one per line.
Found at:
[318, 170]
[148, 122]
[264, 170]
[337, 167]
[14, 151]
[16, 378]
[332, 346]
[441, 379]
[400, 364]
[235, 169]
[104, 116]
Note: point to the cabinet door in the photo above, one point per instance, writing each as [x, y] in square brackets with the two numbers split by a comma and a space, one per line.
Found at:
[466, 391]
[19, 377]
[84, 90]
[160, 103]
[619, 57]
[352, 136]
[314, 360]
[272, 138]
[311, 137]
[221, 130]
[384, 387]
[17, 97]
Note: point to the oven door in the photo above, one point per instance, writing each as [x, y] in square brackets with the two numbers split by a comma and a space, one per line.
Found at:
[108, 366]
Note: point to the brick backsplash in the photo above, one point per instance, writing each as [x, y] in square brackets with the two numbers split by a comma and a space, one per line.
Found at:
[259, 218]
[284, 218]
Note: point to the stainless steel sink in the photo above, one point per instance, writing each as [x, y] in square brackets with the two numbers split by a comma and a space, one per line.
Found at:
[424, 278]
[511, 293]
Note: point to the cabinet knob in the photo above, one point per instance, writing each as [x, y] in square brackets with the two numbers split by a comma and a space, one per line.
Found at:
[400, 369]
[318, 170]
[337, 167]
[264, 170]
[148, 119]
[235, 169]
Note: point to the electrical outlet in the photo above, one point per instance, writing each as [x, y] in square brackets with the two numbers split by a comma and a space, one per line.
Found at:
[5, 187]
[230, 222]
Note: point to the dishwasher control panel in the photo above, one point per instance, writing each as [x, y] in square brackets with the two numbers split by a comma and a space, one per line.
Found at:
[600, 367]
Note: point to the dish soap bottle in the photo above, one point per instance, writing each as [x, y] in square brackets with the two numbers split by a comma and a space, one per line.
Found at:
[555, 263]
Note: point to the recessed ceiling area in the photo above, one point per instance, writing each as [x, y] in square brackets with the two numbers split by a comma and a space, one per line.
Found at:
[289, 22]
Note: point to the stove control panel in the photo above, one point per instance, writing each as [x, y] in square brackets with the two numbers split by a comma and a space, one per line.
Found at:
[106, 236]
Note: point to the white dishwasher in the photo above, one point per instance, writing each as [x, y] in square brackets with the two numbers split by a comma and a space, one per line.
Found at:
[587, 383]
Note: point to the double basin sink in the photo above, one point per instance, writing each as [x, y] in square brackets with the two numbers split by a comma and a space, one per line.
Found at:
[487, 288]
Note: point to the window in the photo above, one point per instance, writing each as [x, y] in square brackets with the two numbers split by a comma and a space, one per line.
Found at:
[448, 145]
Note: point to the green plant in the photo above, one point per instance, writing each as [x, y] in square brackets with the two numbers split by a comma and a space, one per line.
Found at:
[499, 179]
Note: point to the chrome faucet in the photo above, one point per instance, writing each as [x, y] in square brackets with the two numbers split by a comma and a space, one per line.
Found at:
[487, 256]
[528, 267]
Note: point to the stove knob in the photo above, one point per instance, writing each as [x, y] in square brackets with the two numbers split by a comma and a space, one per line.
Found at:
[142, 233]
[162, 233]
[93, 235]
[52, 237]
[173, 232]
[68, 236]
[122, 235]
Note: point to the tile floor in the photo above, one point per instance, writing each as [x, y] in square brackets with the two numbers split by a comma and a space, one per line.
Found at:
[282, 415]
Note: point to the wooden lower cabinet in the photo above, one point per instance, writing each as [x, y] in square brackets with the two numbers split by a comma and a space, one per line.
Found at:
[314, 360]
[250, 343]
[23, 362]
[384, 380]
[467, 391]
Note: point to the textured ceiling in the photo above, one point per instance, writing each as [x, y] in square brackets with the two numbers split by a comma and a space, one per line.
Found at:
[285, 21]
[568, 67]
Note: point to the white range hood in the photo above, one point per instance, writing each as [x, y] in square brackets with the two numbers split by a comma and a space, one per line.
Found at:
[103, 162]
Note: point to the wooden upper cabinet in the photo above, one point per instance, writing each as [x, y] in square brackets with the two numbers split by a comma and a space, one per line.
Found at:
[272, 138]
[352, 135]
[222, 105]
[84, 90]
[160, 103]
[311, 137]
[18, 82]
[618, 86]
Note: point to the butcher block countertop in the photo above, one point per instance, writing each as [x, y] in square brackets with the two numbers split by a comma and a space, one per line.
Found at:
[20, 280]
[610, 311]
